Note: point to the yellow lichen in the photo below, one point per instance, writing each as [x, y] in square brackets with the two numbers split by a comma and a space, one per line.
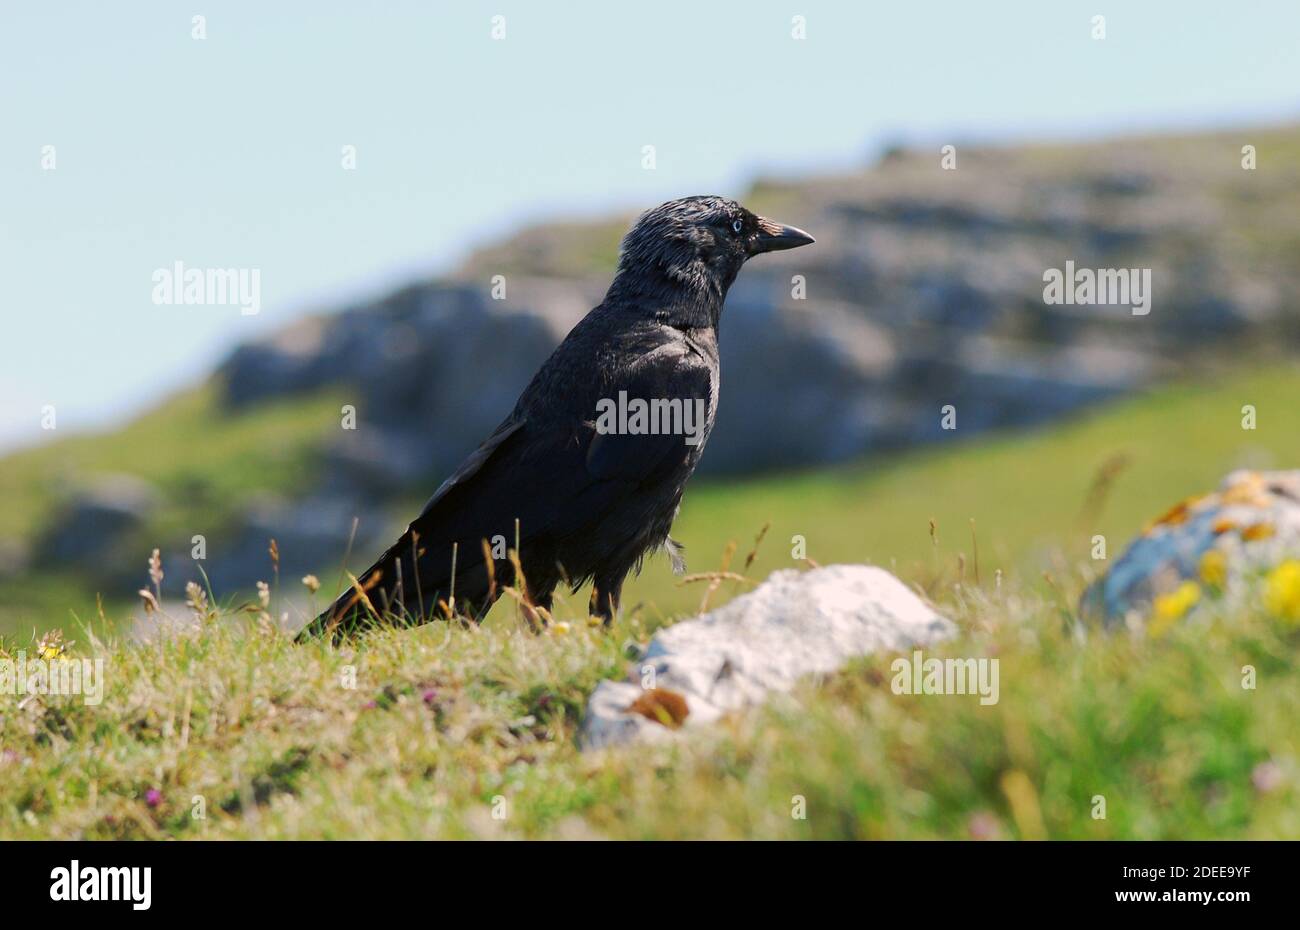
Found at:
[1258, 531]
[1213, 568]
[1176, 514]
[1223, 525]
[1247, 485]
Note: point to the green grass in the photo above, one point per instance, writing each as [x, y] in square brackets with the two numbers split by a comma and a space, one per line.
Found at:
[444, 722]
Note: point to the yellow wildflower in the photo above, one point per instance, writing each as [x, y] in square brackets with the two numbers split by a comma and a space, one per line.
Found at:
[52, 646]
[1168, 609]
[560, 628]
[1282, 591]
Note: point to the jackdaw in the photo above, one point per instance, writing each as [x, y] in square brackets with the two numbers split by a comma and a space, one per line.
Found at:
[585, 476]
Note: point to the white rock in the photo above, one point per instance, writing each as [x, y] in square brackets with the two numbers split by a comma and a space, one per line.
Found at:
[793, 625]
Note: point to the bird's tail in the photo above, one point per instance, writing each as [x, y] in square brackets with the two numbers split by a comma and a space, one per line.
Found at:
[368, 600]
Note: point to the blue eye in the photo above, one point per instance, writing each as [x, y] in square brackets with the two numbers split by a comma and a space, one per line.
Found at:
[737, 226]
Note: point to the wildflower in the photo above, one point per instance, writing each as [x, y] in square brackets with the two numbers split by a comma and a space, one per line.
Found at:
[1168, 609]
[560, 628]
[311, 582]
[1213, 568]
[52, 646]
[984, 826]
[153, 797]
[1282, 591]
[1266, 777]
[430, 696]
[264, 593]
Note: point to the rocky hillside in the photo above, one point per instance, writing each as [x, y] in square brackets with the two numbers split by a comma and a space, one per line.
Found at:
[925, 289]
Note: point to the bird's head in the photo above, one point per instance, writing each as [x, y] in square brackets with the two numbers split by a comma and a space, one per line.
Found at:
[700, 243]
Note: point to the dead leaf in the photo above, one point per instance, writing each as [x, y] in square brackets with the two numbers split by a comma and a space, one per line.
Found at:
[662, 706]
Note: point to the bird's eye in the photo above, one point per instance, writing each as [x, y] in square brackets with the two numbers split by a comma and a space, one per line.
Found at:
[737, 226]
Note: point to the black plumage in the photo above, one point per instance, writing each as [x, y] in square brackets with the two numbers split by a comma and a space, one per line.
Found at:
[580, 502]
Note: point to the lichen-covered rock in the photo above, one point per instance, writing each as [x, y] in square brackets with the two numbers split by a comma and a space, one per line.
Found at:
[1202, 546]
[793, 625]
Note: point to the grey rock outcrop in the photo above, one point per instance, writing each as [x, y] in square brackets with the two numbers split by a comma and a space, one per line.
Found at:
[920, 294]
[96, 519]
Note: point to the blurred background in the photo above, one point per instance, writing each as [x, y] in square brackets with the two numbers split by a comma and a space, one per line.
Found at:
[379, 165]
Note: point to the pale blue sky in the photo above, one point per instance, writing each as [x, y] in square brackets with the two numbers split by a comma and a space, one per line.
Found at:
[226, 152]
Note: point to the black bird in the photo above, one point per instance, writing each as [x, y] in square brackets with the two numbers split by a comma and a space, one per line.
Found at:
[577, 492]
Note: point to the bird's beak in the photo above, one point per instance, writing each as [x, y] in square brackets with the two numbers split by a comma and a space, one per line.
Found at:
[774, 237]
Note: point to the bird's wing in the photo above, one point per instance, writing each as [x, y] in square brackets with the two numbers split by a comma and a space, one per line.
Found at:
[670, 373]
[623, 481]
[474, 462]
[556, 481]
